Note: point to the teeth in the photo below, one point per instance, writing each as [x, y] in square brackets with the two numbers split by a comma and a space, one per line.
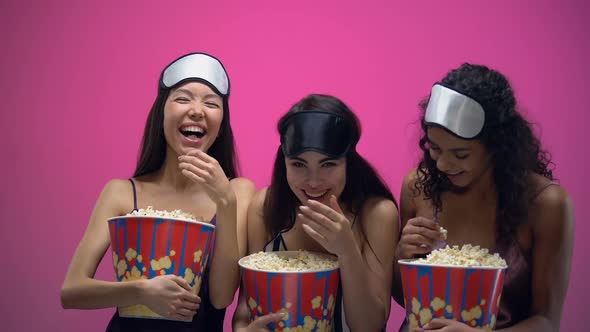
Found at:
[316, 195]
[193, 129]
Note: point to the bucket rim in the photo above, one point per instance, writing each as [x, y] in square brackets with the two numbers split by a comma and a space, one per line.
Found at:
[113, 219]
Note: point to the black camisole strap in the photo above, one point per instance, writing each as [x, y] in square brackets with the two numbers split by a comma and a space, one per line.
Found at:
[540, 190]
[276, 244]
[134, 195]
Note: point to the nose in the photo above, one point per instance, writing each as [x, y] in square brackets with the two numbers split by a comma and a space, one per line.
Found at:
[313, 179]
[442, 163]
[196, 112]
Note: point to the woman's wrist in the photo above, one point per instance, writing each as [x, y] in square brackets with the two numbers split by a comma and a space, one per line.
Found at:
[140, 290]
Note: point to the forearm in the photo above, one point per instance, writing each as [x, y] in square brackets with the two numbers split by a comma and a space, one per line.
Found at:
[96, 294]
[364, 309]
[241, 316]
[225, 274]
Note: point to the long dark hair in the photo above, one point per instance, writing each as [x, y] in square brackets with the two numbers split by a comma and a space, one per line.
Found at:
[153, 145]
[362, 181]
[515, 150]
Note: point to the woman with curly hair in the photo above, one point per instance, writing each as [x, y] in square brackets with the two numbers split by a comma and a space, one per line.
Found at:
[486, 179]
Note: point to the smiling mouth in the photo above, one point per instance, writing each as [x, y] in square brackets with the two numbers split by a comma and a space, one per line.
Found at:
[453, 178]
[454, 175]
[316, 195]
[192, 132]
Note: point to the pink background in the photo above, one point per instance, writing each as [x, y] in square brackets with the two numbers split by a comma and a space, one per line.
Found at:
[78, 80]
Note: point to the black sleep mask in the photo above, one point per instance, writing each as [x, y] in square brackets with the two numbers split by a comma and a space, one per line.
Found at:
[323, 132]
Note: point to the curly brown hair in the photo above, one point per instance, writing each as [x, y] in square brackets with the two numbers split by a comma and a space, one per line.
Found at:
[515, 150]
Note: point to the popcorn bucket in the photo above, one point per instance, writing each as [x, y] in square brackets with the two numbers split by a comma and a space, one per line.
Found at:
[470, 295]
[147, 247]
[308, 297]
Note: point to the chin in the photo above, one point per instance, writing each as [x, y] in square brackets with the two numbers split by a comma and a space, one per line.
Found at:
[458, 189]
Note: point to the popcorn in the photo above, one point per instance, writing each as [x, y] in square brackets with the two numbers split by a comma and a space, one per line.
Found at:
[425, 316]
[305, 261]
[131, 254]
[162, 263]
[197, 256]
[189, 275]
[309, 323]
[473, 313]
[121, 267]
[316, 302]
[437, 304]
[176, 214]
[415, 305]
[467, 255]
[443, 231]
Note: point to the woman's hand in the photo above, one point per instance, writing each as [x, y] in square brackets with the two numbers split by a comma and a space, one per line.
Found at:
[205, 170]
[328, 226]
[445, 325]
[419, 236]
[260, 324]
[171, 296]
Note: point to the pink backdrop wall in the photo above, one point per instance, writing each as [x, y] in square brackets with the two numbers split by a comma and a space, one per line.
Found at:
[78, 80]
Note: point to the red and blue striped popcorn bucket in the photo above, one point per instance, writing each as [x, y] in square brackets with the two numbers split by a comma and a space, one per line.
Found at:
[470, 295]
[147, 247]
[307, 297]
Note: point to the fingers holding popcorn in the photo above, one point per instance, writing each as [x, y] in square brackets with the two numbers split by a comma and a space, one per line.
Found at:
[204, 169]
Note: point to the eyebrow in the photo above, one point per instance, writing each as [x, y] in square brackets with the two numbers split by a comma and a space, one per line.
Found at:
[299, 159]
[212, 95]
[189, 92]
[452, 149]
[321, 160]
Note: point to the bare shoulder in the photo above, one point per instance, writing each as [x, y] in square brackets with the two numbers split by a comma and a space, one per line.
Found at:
[256, 211]
[118, 186]
[119, 194]
[409, 184]
[258, 235]
[410, 198]
[547, 194]
[379, 210]
[381, 228]
[258, 199]
[116, 199]
[411, 176]
[243, 184]
[551, 208]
